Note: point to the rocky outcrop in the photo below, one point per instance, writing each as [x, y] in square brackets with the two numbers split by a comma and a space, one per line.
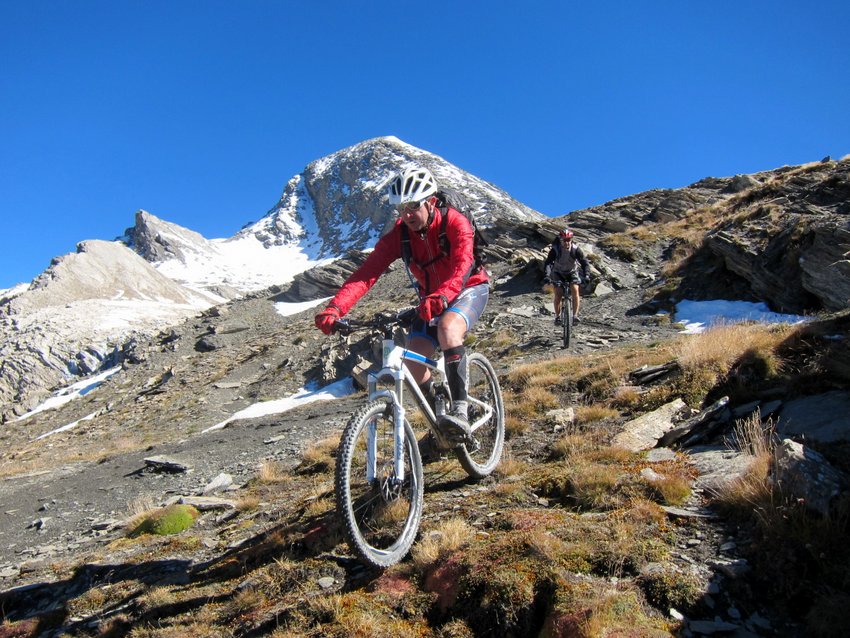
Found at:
[658, 205]
[825, 264]
[805, 476]
[781, 236]
[790, 237]
[323, 281]
[157, 240]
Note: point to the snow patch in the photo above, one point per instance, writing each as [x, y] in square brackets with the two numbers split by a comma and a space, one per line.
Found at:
[697, 316]
[302, 397]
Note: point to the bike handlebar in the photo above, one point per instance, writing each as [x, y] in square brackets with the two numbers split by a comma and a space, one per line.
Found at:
[585, 281]
[383, 321]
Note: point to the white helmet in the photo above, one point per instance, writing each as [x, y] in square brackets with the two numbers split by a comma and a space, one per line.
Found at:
[412, 185]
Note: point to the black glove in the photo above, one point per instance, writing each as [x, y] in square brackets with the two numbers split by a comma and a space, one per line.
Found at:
[547, 281]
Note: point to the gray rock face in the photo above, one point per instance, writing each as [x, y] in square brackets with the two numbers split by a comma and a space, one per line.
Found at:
[656, 205]
[157, 240]
[324, 281]
[644, 432]
[802, 473]
[824, 418]
[790, 237]
[825, 265]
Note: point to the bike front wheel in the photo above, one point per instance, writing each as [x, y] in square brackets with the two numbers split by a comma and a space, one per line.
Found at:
[380, 510]
[567, 317]
[487, 410]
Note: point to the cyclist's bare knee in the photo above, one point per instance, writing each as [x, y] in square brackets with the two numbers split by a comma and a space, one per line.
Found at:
[451, 330]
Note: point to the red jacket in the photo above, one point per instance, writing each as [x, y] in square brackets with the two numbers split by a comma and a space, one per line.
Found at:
[442, 275]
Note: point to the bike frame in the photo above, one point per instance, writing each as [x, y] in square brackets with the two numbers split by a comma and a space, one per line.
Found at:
[393, 368]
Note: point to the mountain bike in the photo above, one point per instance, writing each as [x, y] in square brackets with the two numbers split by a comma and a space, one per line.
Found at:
[379, 483]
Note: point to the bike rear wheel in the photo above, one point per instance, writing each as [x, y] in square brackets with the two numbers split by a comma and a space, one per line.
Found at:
[380, 516]
[490, 436]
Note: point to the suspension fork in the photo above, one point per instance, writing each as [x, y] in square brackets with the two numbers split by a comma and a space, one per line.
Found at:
[396, 396]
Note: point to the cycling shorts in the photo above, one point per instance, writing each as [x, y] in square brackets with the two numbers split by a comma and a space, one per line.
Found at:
[571, 277]
[469, 304]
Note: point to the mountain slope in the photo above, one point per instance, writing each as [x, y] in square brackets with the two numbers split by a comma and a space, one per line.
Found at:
[76, 316]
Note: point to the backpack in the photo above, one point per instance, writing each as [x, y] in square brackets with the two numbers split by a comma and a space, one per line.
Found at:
[449, 198]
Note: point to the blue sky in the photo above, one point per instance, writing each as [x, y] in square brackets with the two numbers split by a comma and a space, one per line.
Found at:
[201, 111]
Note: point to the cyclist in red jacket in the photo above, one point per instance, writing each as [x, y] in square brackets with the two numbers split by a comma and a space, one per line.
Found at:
[450, 286]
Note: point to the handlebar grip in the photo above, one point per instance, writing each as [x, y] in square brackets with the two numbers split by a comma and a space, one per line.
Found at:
[343, 326]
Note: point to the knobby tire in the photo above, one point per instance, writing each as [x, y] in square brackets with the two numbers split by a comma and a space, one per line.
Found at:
[490, 437]
[381, 519]
[567, 316]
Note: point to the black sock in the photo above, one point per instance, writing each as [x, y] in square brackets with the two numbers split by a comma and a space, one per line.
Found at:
[457, 372]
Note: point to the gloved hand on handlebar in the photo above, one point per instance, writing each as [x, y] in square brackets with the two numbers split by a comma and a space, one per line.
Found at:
[432, 306]
[326, 319]
[547, 281]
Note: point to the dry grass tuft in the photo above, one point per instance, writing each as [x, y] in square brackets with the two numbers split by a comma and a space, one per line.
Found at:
[558, 370]
[570, 445]
[445, 538]
[272, 472]
[595, 412]
[722, 345]
[510, 467]
[141, 505]
[515, 425]
[539, 399]
[752, 491]
[248, 503]
[319, 457]
[672, 489]
[626, 397]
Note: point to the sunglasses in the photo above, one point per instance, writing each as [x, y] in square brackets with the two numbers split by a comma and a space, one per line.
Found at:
[409, 207]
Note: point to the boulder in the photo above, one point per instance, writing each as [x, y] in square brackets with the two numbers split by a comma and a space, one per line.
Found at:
[804, 475]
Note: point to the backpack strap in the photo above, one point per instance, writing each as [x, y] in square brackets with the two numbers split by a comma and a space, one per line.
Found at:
[406, 256]
[444, 222]
[405, 245]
